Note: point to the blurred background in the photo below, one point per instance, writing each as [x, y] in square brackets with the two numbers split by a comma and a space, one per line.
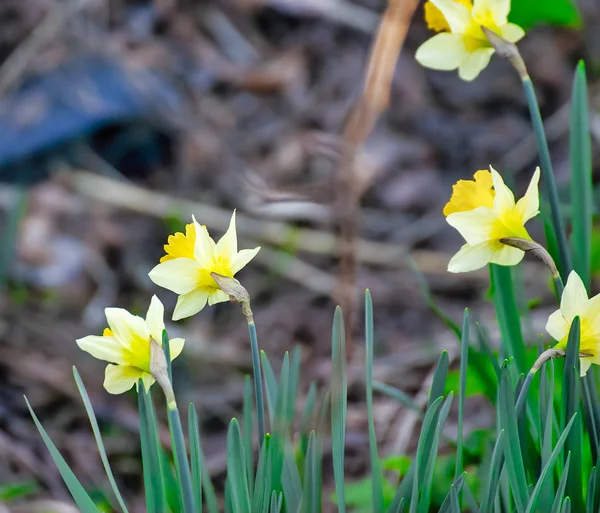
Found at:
[120, 119]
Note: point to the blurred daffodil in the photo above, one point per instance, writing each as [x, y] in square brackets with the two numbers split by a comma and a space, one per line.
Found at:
[484, 211]
[461, 43]
[574, 302]
[190, 260]
[126, 345]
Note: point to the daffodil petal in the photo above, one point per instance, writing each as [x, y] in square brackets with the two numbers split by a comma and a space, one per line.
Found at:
[499, 10]
[474, 225]
[474, 63]
[506, 255]
[529, 204]
[592, 318]
[557, 326]
[227, 245]
[218, 296]
[176, 346]
[179, 275]
[190, 304]
[471, 258]
[456, 14]
[204, 246]
[512, 32]
[584, 365]
[120, 378]
[240, 260]
[125, 326]
[574, 297]
[444, 51]
[504, 198]
[104, 348]
[155, 319]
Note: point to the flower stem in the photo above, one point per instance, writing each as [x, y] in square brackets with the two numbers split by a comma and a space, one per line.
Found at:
[258, 388]
[548, 182]
[181, 460]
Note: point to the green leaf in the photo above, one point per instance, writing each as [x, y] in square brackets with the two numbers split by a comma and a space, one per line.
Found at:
[448, 501]
[560, 491]
[182, 465]
[438, 384]
[80, 496]
[377, 491]
[311, 500]
[270, 385]
[96, 430]
[493, 478]
[14, 491]
[280, 424]
[262, 484]
[580, 144]
[248, 429]
[338, 405]
[236, 469]
[196, 456]
[527, 13]
[290, 481]
[462, 392]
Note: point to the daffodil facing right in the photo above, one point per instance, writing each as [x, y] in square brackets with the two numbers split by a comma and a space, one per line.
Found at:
[574, 302]
[484, 211]
[461, 42]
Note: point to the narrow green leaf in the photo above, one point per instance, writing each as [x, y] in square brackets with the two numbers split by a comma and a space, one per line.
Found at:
[462, 392]
[485, 347]
[290, 481]
[507, 312]
[566, 507]
[457, 485]
[236, 470]
[580, 143]
[397, 507]
[270, 385]
[258, 382]
[546, 474]
[182, 464]
[262, 483]
[512, 446]
[454, 504]
[77, 491]
[338, 405]
[438, 385]
[311, 502]
[493, 478]
[293, 384]
[398, 395]
[166, 345]
[376, 483]
[99, 443]
[196, 456]
[591, 492]
[560, 491]
[154, 485]
[548, 418]
[276, 501]
[280, 424]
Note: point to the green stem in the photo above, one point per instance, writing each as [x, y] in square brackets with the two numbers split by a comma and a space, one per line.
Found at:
[258, 389]
[548, 182]
[181, 461]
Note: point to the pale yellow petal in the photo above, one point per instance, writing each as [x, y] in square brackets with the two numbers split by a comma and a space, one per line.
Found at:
[574, 298]
[591, 317]
[125, 326]
[176, 345]
[242, 258]
[474, 225]
[103, 348]
[190, 304]
[120, 378]
[474, 63]
[504, 199]
[506, 255]
[155, 319]
[444, 51]
[498, 9]
[512, 32]
[557, 326]
[584, 365]
[471, 258]
[456, 14]
[180, 275]
[204, 246]
[218, 296]
[529, 205]
[227, 246]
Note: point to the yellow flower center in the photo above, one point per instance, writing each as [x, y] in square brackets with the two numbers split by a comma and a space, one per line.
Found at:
[137, 351]
[509, 224]
[222, 266]
[180, 245]
[435, 19]
[471, 194]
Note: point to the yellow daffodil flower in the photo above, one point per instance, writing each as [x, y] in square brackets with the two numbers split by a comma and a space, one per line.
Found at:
[191, 258]
[484, 211]
[126, 345]
[461, 43]
[574, 302]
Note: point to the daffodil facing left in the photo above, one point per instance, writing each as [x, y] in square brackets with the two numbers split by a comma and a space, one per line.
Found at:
[126, 344]
[461, 42]
[575, 303]
[191, 258]
[484, 211]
